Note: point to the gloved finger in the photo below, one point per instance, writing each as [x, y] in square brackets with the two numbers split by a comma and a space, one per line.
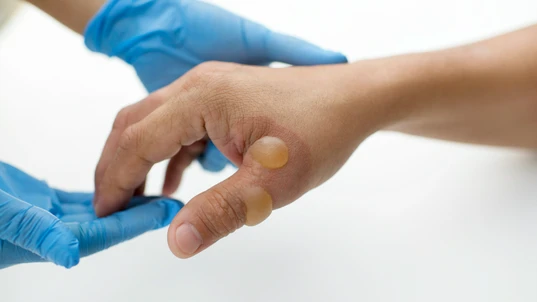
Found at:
[158, 137]
[83, 214]
[77, 206]
[178, 164]
[11, 254]
[75, 209]
[244, 198]
[141, 200]
[74, 204]
[37, 231]
[103, 233]
[74, 198]
[145, 68]
[79, 218]
[294, 51]
[212, 159]
[126, 117]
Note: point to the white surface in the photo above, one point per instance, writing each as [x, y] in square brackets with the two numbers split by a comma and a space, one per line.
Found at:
[405, 220]
[6, 8]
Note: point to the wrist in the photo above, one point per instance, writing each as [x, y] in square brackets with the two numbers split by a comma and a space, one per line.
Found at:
[376, 94]
[407, 89]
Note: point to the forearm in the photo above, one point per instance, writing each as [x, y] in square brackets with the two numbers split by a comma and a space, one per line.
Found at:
[74, 14]
[483, 93]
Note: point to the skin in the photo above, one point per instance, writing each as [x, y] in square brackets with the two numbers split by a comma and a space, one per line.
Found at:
[480, 93]
[74, 14]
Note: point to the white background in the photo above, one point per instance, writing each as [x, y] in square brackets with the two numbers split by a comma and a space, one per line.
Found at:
[406, 219]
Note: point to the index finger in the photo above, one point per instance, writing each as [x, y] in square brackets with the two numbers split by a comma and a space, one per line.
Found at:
[126, 117]
[157, 137]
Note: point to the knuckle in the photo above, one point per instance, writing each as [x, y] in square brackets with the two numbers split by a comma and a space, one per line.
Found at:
[131, 114]
[213, 92]
[132, 142]
[122, 118]
[198, 76]
[156, 98]
[222, 213]
[214, 66]
[214, 75]
[130, 139]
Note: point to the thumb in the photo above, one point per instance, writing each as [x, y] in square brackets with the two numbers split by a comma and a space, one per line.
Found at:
[294, 51]
[244, 198]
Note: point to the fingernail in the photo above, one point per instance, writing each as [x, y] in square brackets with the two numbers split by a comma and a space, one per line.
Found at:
[188, 239]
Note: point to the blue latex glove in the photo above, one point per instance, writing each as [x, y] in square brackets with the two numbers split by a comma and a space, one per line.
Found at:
[38, 223]
[163, 39]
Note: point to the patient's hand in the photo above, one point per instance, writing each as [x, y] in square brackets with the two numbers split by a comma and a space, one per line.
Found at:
[164, 39]
[288, 130]
[38, 223]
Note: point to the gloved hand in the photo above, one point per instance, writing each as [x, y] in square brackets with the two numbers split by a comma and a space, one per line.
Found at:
[38, 223]
[163, 39]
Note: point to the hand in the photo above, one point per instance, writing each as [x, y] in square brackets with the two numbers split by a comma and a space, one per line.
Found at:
[38, 223]
[288, 130]
[163, 39]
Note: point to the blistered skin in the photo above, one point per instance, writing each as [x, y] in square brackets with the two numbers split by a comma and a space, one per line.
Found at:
[270, 152]
[258, 206]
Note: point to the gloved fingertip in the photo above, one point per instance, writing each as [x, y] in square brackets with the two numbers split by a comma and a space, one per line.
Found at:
[68, 256]
[172, 207]
[212, 159]
[340, 58]
[317, 56]
[211, 165]
[295, 51]
[72, 259]
[62, 247]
